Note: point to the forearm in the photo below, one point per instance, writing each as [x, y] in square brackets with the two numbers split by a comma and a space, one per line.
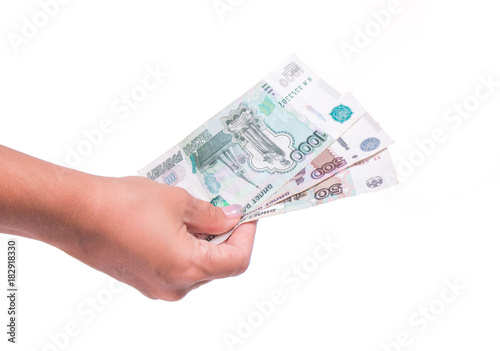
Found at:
[41, 200]
[131, 228]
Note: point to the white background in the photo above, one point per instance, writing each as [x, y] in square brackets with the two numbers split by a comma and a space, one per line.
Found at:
[397, 247]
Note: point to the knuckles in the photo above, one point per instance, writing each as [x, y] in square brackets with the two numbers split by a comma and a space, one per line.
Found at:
[171, 295]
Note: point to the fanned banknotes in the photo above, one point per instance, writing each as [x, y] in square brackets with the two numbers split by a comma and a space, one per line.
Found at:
[362, 140]
[271, 148]
[370, 175]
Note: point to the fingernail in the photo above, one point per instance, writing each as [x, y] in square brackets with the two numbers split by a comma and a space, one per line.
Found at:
[233, 211]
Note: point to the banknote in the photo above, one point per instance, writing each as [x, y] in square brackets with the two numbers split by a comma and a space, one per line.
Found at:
[373, 174]
[255, 145]
[364, 139]
[370, 175]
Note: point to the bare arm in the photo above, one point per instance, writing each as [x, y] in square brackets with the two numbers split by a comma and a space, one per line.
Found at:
[131, 228]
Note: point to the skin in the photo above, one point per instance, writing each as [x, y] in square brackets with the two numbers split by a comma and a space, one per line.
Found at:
[133, 229]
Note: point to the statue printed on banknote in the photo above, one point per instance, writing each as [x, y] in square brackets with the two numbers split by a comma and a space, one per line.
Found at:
[268, 150]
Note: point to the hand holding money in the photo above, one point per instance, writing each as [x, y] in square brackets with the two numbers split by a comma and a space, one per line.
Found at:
[141, 235]
[290, 143]
[135, 230]
[276, 148]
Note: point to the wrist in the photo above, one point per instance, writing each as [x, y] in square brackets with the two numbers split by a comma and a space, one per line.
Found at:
[70, 213]
[44, 201]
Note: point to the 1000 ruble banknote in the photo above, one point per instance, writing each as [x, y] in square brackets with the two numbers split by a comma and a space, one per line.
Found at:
[272, 148]
[254, 146]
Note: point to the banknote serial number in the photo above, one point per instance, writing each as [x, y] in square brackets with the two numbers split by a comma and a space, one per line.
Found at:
[294, 92]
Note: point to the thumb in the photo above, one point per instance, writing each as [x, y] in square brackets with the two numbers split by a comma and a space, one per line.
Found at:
[203, 217]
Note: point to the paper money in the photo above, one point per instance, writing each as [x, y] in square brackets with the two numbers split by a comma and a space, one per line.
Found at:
[289, 143]
[254, 146]
[370, 175]
[362, 140]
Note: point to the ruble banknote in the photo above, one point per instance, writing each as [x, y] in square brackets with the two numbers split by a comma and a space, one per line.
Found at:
[370, 175]
[291, 142]
[364, 139]
[254, 146]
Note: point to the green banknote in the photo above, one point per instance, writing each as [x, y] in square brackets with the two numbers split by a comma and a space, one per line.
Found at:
[255, 145]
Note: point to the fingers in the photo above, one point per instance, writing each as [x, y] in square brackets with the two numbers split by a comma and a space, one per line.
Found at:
[231, 257]
[207, 262]
[203, 217]
[243, 237]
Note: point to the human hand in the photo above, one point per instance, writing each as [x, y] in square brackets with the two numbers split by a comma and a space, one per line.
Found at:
[132, 228]
[140, 233]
